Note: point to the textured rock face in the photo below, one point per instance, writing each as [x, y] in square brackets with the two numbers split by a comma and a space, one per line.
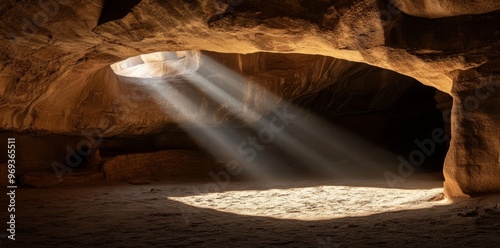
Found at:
[160, 165]
[446, 8]
[120, 105]
[473, 162]
[55, 77]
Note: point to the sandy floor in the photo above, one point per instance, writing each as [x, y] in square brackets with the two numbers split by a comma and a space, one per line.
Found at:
[299, 213]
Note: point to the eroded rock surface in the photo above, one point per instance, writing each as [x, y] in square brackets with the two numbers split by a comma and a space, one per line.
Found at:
[172, 164]
[446, 8]
[472, 164]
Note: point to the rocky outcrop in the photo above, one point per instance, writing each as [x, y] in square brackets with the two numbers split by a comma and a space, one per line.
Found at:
[473, 163]
[446, 8]
[163, 165]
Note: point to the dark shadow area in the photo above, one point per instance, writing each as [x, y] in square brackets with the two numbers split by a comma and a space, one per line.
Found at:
[400, 117]
[116, 9]
[291, 9]
[441, 36]
[402, 126]
[171, 139]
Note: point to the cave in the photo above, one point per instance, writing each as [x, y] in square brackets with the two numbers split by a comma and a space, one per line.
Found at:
[246, 123]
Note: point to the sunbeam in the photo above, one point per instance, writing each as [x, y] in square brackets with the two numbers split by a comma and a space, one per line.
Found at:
[221, 142]
[273, 136]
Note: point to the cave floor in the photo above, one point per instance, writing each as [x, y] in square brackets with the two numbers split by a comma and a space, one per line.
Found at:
[283, 213]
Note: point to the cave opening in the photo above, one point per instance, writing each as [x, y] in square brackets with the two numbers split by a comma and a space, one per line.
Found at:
[345, 119]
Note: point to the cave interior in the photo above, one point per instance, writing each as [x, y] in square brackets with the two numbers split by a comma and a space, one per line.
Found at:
[250, 123]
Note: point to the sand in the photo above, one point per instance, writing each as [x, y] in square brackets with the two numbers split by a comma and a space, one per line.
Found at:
[284, 213]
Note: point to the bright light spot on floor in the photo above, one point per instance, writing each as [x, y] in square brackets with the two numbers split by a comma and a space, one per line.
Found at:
[315, 203]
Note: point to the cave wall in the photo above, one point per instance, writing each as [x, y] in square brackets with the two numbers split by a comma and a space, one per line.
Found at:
[472, 165]
[446, 8]
[52, 59]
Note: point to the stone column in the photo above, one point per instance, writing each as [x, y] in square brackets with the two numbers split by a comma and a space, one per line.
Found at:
[472, 165]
